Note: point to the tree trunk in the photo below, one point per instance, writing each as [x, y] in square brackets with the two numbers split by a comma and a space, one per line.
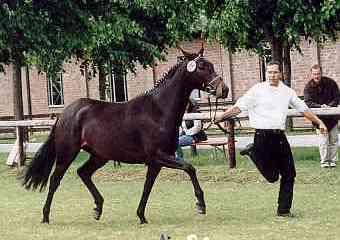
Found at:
[287, 78]
[86, 73]
[102, 81]
[28, 91]
[287, 66]
[154, 74]
[276, 49]
[18, 106]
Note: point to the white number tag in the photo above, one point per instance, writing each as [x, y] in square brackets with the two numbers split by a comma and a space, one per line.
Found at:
[191, 66]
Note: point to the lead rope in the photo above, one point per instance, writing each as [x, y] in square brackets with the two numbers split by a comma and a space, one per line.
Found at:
[212, 117]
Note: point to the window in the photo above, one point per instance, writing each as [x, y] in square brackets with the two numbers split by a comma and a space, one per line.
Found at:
[116, 87]
[55, 90]
[266, 57]
[2, 75]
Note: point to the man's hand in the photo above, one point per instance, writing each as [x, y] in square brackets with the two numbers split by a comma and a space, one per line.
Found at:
[228, 114]
[223, 118]
[312, 117]
[220, 118]
[323, 128]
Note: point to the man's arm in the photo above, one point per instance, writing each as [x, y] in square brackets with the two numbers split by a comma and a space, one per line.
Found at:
[312, 117]
[194, 129]
[307, 92]
[335, 94]
[233, 111]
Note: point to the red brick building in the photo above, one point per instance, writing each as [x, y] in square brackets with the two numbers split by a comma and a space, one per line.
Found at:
[240, 71]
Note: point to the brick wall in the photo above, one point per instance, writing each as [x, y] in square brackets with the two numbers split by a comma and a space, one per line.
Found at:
[139, 82]
[327, 55]
[301, 64]
[6, 93]
[74, 88]
[245, 72]
[330, 60]
[240, 71]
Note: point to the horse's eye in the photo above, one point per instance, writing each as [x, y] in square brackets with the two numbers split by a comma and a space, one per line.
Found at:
[200, 65]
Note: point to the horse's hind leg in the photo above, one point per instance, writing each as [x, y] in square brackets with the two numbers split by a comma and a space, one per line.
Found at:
[151, 175]
[55, 179]
[85, 172]
[170, 162]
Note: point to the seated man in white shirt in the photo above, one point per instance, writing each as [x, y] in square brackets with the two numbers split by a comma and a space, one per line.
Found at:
[267, 104]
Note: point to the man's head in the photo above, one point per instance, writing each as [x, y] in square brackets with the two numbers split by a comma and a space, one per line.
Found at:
[315, 73]
[274, 73]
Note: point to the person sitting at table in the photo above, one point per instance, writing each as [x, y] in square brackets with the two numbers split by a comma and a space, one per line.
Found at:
[190, 131]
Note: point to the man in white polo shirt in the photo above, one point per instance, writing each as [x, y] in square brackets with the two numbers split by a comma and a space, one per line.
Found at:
[267, 104]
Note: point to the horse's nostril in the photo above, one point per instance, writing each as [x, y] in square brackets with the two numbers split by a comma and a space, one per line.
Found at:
[226, 92]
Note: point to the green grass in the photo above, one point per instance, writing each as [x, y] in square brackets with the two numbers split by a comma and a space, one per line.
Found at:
[240, 205]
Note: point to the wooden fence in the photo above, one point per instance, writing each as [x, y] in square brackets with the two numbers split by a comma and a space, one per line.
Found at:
[189, 116]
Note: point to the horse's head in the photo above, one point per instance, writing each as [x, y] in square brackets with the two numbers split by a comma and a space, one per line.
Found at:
[202, 74]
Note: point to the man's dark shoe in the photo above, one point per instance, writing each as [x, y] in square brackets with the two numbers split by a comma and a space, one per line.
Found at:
[284, 214]
[247, 151]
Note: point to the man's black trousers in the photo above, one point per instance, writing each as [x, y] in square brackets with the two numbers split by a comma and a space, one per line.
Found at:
[273, 157]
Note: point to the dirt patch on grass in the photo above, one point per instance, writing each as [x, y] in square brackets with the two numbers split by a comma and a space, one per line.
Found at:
[208, 175]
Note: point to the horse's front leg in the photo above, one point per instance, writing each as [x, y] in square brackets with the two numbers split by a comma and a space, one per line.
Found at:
[151, 175]
[170, 162]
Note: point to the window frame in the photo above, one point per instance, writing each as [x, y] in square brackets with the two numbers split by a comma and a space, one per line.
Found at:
[51, 86]
[110, 87]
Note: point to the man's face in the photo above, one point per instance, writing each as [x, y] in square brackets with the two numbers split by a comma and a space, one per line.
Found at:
[274, 74]
[316, 75]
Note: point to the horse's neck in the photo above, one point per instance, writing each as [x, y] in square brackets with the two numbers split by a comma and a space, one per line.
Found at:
[172, 99]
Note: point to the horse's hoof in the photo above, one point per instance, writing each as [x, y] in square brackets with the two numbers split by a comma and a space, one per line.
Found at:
[200, 208]
[143, 220]
[97, 213]
[45, 221]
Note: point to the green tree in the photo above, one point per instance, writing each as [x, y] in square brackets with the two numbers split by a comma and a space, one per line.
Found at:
[253, 24]
[30, 32]
[126, 33]
[120, 33]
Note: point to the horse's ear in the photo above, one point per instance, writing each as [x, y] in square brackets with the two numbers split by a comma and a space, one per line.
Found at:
[185, 53]
[200, 53]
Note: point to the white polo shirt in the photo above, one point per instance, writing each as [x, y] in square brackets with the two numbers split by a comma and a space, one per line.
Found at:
[268, 105]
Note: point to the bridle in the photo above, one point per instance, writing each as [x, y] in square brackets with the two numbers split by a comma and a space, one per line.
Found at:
[192, 66]
[211, 89]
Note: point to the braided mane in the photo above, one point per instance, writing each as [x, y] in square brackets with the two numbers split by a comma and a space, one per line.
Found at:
[165, 77]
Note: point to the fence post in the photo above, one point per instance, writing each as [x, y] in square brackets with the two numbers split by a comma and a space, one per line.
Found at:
[21, 151]
[231, 143]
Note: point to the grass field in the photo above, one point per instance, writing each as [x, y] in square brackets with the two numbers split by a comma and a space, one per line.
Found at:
[240, 205]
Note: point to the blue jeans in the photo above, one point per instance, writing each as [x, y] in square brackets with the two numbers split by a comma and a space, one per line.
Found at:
[184, 140]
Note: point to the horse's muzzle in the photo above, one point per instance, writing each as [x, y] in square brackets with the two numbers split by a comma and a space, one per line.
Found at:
[220, 89]
[225, 91]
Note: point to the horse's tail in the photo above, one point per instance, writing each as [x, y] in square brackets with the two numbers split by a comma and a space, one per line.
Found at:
[40, 167]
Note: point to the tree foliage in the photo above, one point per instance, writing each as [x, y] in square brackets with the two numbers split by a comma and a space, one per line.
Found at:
[252, 24]
[125, 33]
[46, 31]
[120, 31]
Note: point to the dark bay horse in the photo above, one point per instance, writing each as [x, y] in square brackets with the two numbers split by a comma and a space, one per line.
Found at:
[142, 130]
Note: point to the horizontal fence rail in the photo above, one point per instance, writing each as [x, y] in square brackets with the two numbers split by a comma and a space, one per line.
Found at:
[188, 116]
[27, 123]
[291, 113]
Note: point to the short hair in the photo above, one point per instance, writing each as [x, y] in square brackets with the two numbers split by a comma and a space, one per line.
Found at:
[275, 62]
[316, 66]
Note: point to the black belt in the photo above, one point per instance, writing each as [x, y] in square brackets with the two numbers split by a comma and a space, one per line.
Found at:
[270, 131]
